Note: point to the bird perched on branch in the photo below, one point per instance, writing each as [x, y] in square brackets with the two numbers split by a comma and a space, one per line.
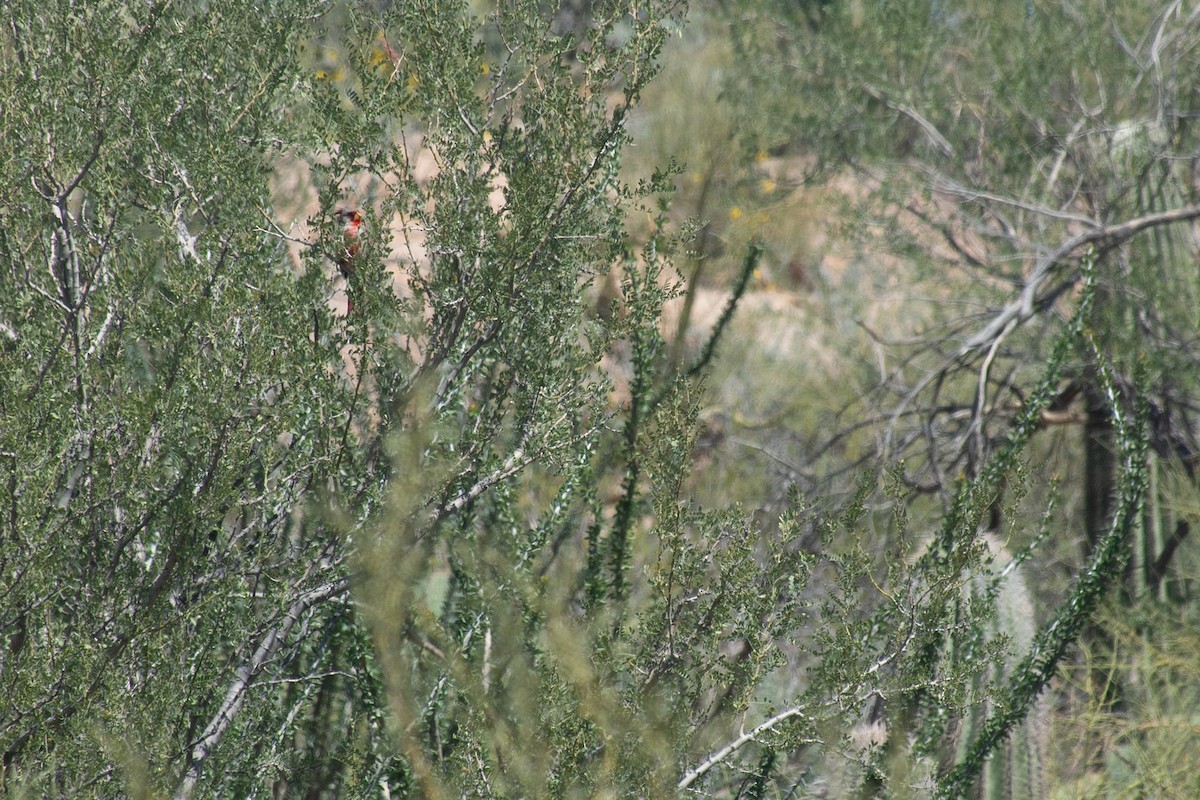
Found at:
[351, 220]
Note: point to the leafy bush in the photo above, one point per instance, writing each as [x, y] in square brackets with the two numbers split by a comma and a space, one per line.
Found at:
[440, 545]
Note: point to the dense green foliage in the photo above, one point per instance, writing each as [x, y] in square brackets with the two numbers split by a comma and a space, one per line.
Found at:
[449, 543]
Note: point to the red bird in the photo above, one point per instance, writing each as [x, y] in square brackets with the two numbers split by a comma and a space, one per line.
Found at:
[351, 220]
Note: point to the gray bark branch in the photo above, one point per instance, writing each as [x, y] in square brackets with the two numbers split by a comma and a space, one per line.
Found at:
[244, 677]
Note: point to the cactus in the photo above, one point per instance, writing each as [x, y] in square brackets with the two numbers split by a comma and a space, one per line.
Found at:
[1014, 772]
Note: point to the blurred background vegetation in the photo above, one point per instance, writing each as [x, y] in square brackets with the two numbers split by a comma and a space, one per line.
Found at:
[781, 399]
[908, 166]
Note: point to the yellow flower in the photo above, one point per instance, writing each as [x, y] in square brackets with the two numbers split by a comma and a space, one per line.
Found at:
[767, 185]
[735, 213]
[381, 55]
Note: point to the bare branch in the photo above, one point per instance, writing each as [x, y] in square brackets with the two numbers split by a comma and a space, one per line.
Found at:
[930, 130]
[1026, 304]
[516, 462]
[731, 748]
[1030, 301]
[245, 675]
[946, 186]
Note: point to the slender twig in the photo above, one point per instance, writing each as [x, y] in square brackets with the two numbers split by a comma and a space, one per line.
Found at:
[946, 186]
